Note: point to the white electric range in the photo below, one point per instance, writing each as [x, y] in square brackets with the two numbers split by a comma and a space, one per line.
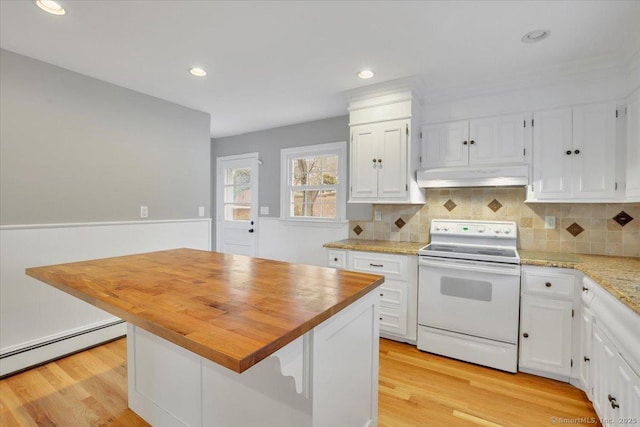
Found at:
[469, 292]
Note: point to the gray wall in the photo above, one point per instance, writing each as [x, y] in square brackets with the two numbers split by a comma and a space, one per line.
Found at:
[77, 149]
[269, 143]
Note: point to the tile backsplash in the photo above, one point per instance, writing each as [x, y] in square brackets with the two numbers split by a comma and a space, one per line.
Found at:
[589, 228]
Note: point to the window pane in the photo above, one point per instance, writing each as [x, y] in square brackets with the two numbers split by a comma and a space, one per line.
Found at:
[237, 176]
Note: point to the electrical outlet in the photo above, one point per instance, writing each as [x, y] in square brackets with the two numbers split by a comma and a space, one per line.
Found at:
[144, 211]
[550, 222]
[378, 216]
[264, 210]
[200, 210]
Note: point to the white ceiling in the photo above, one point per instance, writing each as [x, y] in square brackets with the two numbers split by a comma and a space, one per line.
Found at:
[273, 63]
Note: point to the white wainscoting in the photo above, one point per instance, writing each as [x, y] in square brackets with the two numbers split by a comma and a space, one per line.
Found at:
[39, 322]
[297, 241]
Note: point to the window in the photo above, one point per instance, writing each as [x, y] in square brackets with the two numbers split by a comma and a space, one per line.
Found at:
[313, 182]
[237, 194]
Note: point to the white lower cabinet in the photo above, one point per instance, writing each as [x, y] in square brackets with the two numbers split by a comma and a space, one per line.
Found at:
[586, 350]
[616, 387]
[398, 293]
[611, 340]
[546, 322]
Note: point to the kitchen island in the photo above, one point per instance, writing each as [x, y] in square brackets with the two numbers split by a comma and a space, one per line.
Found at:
[228, 340]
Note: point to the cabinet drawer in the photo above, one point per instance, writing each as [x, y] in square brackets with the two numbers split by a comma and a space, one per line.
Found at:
[391, 266]
[549, 284]
[393, 296]
[393, 321]
[337, 258]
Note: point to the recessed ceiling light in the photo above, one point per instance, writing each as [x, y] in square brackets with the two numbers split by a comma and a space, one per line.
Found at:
[51, 7]
[366, 74]
[198, 72]
[535, 36]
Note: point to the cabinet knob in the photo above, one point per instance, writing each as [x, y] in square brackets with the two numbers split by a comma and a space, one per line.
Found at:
[568, 152]
[472, 142]
[548, 284]
[576, 152]
[526, 335]
[614, 404]
[586, 359]
[464, 142]
[381, 294]
[380, 317]
[585, 289]
[335, 260]
[379, 160]
[251, 230]
[374, 160]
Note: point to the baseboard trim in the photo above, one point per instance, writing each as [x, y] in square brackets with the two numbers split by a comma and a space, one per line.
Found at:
[27, 357]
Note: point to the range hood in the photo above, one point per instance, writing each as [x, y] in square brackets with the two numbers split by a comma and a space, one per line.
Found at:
[474, 176]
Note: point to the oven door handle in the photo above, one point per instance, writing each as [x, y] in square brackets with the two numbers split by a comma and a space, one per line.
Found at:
[505, 269]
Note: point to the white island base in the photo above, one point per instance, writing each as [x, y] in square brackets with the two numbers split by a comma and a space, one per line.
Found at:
[328, 377]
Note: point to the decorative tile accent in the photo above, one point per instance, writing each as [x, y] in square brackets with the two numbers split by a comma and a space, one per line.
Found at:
[450, 205]
[575, 229]
[495, 205]
[623, 218]
[357, 229]
[400, 223]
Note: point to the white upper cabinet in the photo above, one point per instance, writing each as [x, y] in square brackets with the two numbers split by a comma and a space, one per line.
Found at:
[445, 145]
[488, 141]
[633, 148]
[383, 150]
[379, 163]
[574, 154]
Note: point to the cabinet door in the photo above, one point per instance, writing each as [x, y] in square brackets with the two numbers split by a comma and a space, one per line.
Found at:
[552, 139]
[392, 150]
[627, 395]
[497, 140]
[364, 163]
[586, 333]
[604, 373]
[594, 149]
[545, 335]
[633, 149]
[445, 144]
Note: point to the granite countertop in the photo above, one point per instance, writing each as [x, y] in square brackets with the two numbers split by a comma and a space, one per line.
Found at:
[620, 276]
[384, 246]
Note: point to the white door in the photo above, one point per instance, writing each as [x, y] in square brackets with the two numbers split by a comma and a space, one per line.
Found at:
[552, 154]
[392, 151]
[468, 297]
[445, 145]
[364, 163]
[545, 341]
[594, 148]
[237, 204]
[497, 140]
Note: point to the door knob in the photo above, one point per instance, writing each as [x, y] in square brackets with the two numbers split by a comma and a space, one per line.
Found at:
[251, 230]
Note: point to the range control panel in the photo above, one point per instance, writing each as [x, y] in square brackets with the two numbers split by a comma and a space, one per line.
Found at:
[474, 228]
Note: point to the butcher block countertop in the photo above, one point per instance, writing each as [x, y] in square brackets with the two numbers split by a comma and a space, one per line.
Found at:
[231, 309]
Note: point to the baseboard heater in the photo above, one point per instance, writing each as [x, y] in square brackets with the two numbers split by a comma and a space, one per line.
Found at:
[23, 358]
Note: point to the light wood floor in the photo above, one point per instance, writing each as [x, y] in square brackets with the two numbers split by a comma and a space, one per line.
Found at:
[416, 389]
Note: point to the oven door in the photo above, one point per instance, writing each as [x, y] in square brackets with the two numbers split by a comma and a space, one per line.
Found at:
[475, 298]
